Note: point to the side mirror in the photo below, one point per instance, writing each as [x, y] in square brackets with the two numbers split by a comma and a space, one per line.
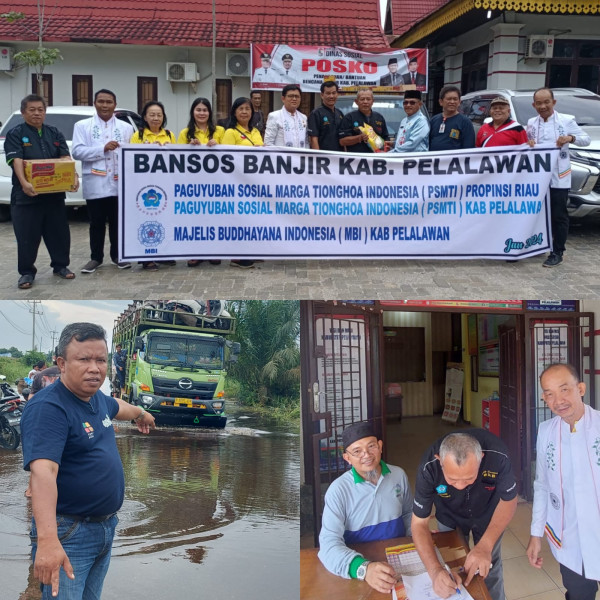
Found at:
[138, 343]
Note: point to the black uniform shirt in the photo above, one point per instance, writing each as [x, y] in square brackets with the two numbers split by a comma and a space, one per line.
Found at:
[352, 121]
[27, 143]
[324, 123]
[473, 507]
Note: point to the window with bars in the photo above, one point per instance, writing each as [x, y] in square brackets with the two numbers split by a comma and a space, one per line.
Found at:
[82, 90]
[45, 89]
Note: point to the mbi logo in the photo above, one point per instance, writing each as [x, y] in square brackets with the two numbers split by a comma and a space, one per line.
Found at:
[151, 233]
[151, 200]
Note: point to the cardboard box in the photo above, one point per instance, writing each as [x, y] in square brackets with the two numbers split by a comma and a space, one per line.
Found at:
[50, 175]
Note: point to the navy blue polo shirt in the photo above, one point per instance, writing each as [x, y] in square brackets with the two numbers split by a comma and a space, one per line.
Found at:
[473, 507]
[79, 437]
[29, 143]
[324, 124]
[458, 133]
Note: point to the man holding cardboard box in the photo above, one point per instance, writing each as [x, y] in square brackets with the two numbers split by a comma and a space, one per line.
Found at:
[38, 212]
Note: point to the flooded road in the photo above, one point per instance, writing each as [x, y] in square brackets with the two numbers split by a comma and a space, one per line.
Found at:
[206, 515]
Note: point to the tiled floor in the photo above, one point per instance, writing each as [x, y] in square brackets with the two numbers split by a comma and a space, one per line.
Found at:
[406, 442]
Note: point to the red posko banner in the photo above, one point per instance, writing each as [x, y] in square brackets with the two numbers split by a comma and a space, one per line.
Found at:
[276, 65]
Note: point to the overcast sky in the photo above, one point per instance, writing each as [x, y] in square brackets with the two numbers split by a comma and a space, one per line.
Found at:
[17, 320]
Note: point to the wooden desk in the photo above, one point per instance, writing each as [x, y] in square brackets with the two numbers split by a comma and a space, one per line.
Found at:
[317, 583]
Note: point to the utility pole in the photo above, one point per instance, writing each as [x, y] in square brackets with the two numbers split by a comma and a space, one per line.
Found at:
[33, 310]
[54, 336]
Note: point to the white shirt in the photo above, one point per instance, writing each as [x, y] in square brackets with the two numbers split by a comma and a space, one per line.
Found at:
[296, 135]
[99, 169]
[547, 132]
[581, 524]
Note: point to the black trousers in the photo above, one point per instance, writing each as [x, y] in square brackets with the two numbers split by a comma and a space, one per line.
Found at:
[559, 218]
[47, 220]
[101, 210]
[577, 586]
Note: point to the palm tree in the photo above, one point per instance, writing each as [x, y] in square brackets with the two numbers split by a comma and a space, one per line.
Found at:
[268, 369]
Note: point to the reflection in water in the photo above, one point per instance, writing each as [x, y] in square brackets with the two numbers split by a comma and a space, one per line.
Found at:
[196, 502]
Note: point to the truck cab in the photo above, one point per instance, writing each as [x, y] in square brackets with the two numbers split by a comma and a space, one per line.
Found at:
[177, 363]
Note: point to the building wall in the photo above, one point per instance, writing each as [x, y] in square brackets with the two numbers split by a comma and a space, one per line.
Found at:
[417, 395]
[507, 37]
[117, 67]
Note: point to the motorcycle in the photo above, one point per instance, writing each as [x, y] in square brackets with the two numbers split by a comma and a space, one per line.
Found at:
[10, 416]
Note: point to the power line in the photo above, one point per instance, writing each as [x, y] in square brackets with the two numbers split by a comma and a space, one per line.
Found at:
[14, 325]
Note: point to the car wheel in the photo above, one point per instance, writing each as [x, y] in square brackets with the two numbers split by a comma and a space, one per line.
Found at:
[4, 213]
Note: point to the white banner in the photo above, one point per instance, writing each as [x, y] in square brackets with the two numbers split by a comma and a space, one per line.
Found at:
[277, 65]
[179, 202]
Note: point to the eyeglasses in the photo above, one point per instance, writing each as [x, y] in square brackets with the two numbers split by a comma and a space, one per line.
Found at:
[370, 449]
[409, 102]
[293, 96]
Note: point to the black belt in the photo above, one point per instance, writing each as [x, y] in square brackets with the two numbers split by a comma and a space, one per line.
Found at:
[82, 519]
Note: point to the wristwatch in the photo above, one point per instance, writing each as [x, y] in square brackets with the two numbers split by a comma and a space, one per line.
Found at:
[141, 415]
[573, 139]
[361, 572]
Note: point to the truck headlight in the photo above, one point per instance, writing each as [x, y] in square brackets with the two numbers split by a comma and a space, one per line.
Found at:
[147, 400]
[217, 405]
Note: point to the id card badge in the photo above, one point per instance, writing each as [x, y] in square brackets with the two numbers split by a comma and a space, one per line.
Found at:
[442, 128]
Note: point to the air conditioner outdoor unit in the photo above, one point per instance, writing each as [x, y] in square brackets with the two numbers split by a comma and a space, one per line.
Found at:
[237, 65]
[181, 71]
[6, 58]
[540, 46]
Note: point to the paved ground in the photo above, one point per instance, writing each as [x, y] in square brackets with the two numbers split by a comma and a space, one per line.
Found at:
[577, 278]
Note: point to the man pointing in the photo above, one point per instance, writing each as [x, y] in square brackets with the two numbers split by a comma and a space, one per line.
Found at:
[77, 481]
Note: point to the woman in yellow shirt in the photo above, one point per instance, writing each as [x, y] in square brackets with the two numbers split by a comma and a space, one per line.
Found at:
[154, 120]
[201, 129]
[153, 131]
[238, 132]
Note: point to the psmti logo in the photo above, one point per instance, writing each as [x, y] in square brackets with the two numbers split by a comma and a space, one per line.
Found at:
[441, 489]
[88, 429]
[151, 200]
[151, 233]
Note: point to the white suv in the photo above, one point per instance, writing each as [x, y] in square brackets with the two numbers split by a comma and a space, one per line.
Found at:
[584, 196]
[64, 119]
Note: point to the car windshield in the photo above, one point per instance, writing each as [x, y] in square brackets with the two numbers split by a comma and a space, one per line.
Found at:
[586, 109]
[184, 352]
[390, 108]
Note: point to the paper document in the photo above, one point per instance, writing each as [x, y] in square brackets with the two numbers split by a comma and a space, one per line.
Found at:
[420, 587]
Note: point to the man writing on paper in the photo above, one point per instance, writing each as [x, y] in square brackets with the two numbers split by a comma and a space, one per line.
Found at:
[469, 479]
[370, 502]
[566, 498]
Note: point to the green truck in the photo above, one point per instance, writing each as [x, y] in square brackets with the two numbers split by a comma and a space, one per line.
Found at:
[176, 356]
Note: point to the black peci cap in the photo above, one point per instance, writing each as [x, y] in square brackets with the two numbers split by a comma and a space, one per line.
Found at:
[357, 431]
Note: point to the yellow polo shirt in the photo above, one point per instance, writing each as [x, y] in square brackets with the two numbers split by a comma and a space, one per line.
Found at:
[162, 137]
[201, 136]
[241, 137]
